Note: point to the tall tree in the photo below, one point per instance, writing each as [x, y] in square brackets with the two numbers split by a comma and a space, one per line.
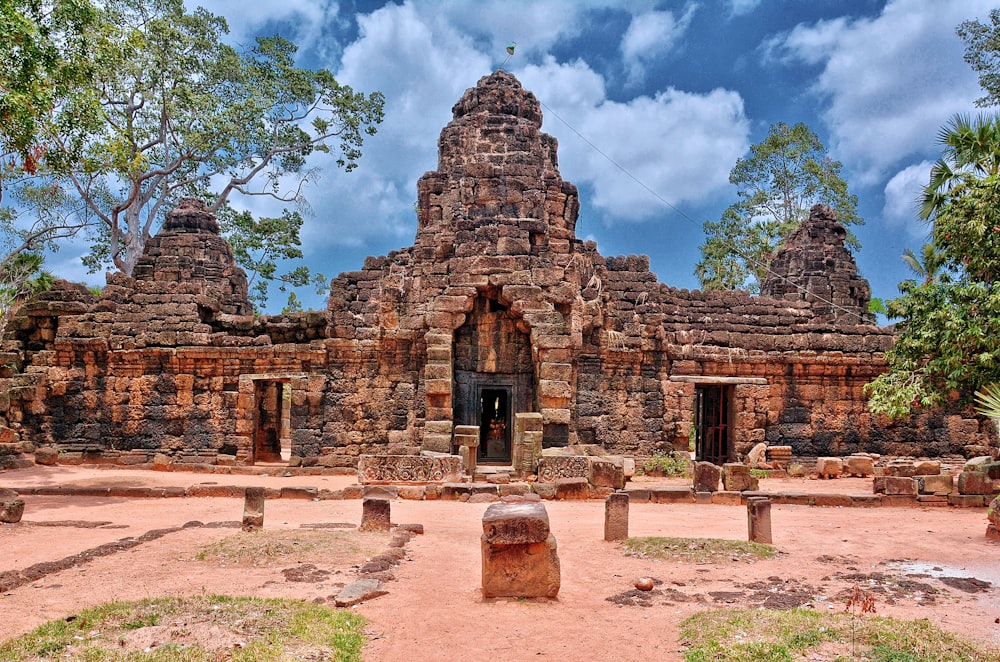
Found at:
[183, 113]
[783, 177]
[982, 53]
[947, 336]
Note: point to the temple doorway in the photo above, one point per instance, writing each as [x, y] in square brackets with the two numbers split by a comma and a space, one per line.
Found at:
[494, 424]
[271, 438]
[712, 423]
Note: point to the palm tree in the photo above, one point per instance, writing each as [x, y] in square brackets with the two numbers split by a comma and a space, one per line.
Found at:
[971, 148]
[927, 265]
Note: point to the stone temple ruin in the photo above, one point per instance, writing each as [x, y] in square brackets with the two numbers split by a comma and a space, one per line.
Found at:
[497, 317]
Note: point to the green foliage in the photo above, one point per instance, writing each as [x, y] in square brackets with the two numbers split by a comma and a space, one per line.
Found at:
[946, 345]
[988, 401]
[666, 464]
[982, 53]
[697, 550]
[183, 113]
[269, 629]
[261, 245]
[733, 635]
[784, 176]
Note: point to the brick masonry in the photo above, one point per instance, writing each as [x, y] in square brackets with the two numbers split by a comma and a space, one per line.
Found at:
[496, 296]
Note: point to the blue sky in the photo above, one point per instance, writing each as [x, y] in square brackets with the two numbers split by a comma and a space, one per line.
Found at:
[674, 92]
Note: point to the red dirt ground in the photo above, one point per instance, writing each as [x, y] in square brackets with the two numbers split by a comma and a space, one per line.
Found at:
[923, 563]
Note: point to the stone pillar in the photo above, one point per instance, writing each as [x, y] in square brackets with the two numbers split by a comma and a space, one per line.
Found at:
[375, 514]
[616, 516]
[527, 442]
[759, 519]
[467, 440]
[253, 508]
[706, 477]
[519, 552]
[11, 506]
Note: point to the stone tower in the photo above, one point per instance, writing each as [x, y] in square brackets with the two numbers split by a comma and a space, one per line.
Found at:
[816, 267]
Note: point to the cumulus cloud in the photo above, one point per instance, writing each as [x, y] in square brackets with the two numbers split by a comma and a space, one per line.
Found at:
[874, 75]
[650, 35]
[902, 199]
[672, 142]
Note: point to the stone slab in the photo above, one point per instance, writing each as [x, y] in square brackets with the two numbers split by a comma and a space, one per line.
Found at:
[358, 591]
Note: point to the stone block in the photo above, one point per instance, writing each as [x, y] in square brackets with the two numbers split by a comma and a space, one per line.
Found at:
[860, 465]
[706, 477]
[605, 473]
[829, 467]
[671, 495]
[253, 508]
[976, 483]
[939, 484]
[521, 571]
[736, 477]
[894, 485]
[967, 500]
[900, 468]
[926, 468]
[412, 492]
[572, 488]
[46, 456]
[616, 516]
[375, 514]
[11, 506]
[515, 523]
[514, 562]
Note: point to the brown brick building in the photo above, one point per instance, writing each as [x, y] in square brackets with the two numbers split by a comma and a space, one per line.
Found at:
[496, 309]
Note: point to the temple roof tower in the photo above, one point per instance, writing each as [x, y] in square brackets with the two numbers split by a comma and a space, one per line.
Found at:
[497, 189]
[815, 266]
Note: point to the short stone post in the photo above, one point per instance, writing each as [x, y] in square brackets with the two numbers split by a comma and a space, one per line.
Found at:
[253, 508]
[467, 440]
[616, 516]
[375, 514]
[519, 552]
[759, 519]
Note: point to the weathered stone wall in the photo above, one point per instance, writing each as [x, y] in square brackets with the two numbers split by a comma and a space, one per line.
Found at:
[496, 291]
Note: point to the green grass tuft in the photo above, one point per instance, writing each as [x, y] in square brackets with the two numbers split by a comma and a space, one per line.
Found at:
[698, 550]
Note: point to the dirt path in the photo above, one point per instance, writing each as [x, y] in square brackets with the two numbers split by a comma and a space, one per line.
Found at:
[434, 609]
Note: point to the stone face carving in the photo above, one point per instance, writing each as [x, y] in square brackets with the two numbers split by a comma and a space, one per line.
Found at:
[408, 468]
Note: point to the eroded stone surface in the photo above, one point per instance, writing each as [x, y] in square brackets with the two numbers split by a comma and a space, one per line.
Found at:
[515, 523]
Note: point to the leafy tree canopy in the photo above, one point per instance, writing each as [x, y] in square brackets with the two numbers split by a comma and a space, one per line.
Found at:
[950, 322]
[182, 113]
[784, 176]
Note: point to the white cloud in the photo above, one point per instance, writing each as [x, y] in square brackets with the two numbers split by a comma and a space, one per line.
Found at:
[310, 20]
[742, 7]
[902, 195]
[889, 82]
[672, 142]
[649, 36]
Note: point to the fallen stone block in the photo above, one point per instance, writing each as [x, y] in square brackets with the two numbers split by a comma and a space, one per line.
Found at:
[11, 506]
[46, 456]
[976, 482]
[894, 485]
[605, 473]
[926, 468]
[706, 477]
[900, 468]
[736, 477]
[572, 488]
[358, 591]
[859, 465]
[938, 484]
[829, 467]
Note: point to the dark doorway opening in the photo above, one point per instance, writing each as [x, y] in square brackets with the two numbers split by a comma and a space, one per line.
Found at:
[494, 424]
[268, 429]
[712, 423]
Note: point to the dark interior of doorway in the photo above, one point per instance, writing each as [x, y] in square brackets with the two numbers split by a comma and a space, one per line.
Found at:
[494, 424]
[268, 432]
[712, 425]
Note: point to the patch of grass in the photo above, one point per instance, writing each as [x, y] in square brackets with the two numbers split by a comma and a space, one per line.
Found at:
[760, 635]
[264, 548]
[666, 464]
[698, 550]
[214, 627]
